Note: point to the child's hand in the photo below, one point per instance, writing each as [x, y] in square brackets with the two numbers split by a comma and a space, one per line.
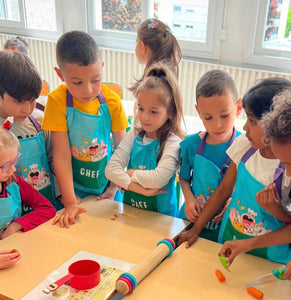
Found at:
[10, 229]
[68, 216]
[189, 236]
[130, 172]
[109, 193]
[8, 258]
[218, 217]
[192, 209]
[269, 199]
[231, 249]
[153, 192]
[287, 273]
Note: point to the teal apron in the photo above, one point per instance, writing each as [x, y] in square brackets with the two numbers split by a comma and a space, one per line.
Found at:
[206, 178]
[144, 157]
[10, 206]
[33, 166]
[245, 218]
[91, 148]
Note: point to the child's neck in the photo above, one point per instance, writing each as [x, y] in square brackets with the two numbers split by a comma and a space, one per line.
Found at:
[266, 152]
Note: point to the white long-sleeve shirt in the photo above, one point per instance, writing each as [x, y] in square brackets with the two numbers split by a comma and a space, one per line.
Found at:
[168, 164]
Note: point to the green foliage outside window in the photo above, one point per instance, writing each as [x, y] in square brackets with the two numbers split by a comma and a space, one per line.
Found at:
[121, 15]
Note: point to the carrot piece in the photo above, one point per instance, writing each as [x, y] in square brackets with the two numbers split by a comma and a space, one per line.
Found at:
[219, 276]
[256, 293]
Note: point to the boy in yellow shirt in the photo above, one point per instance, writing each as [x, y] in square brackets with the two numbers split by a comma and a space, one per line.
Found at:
[82, 113]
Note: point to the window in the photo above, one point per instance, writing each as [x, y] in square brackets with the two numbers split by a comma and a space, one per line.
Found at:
[270, 35]
[196, 24]
[30, 17]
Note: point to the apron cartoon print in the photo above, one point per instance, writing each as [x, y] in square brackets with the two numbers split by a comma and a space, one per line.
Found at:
[245, 218]
[33, 166]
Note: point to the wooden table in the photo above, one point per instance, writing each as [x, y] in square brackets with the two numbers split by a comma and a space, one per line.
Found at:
[190, 274]
[108, 228]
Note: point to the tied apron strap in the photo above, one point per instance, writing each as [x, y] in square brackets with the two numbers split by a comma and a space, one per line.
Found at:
[35, 123]
[278, 177]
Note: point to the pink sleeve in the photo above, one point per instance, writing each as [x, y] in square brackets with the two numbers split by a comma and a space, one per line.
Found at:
[43, 210]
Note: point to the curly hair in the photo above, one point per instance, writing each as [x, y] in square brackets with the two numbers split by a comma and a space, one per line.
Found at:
[277, 123]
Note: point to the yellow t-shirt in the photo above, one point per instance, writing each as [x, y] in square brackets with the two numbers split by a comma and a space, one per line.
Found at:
[55, 109]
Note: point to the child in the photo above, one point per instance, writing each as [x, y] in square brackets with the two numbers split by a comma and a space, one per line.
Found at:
[151, 150]
[20, 85]
[81, 115]
[253, 167]
[155, 42]
[8, 258]
[17, 44]
[204, 159]
[14, 191]
[277, 125]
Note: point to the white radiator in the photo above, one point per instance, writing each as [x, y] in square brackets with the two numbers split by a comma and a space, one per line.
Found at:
[122, 67]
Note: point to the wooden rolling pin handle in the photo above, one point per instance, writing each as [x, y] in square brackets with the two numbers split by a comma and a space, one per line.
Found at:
[143, 268]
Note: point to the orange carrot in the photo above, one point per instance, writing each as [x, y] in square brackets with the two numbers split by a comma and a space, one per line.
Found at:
[219, 276]
[256, 293]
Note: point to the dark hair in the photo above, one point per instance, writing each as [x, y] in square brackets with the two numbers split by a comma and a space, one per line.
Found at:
[277, 122]
[259, 98]
[163, 44]
[77, 47]
[18, 44]
[162, 81]
[216, 82]
[19, 77]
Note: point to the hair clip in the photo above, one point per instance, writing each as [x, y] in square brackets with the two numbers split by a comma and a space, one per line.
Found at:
[153, 24]
[168, 31]
[8, 123]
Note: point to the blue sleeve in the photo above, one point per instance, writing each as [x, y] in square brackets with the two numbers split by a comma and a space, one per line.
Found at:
[188, 151]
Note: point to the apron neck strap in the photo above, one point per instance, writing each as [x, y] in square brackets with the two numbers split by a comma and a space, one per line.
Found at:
[278, 177]
[100, 97]
[201, 148]
[248, 154]
[39, 106]
[35, 123]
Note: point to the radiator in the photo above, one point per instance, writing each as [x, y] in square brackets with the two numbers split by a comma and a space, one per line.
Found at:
[122, 67]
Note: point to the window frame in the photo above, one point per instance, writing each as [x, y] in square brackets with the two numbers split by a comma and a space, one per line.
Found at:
[254, 52]
[190, 49]
[19, 27]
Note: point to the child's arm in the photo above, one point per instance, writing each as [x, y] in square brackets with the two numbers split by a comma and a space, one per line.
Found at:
[115, 169]
[137, 188]
[221, 194]
[63, 169]
[164, 171]
[110, 191]
[43, 210]
[192, 207]
[8, 258]
[231, 249]
[269, 199]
